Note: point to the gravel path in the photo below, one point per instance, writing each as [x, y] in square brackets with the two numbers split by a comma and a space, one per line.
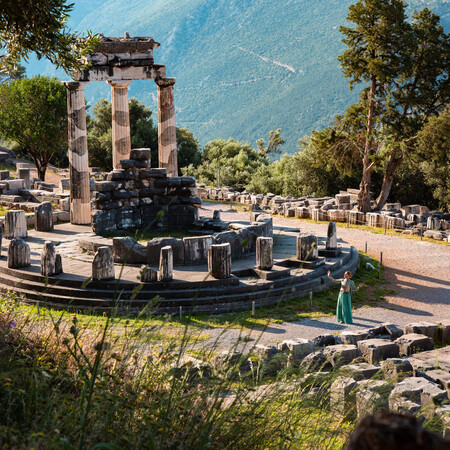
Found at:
[419, 273]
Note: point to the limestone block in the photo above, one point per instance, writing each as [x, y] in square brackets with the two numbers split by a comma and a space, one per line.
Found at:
[433, 223]
[372, 396]
[181, 217]
[353, 337]
[48, 259]
[127, 250]
[105, 186]
[15, 224]
[396, 369]
[155, 245]
[414, 343]
[342, 199]
[342, 402]
[297, 348]
[443, 413]
[374, 220]
[341, 353]
[148, 275]
[316, 362]
[336, 215]
[15, 185]
[444, 331]
[356, 218]
[326, 339]
[438, 376]
[360, 371]
[24, 174]
[331, 236]
[128, 218]
[307, 247]
[302, 212]
[43, 217]
[4, 174]
[103, 221]
[431, 397]
[18, 254]
[141, 154]
[196, 249]
[166, 264]
[1, 238]
[219, 260]
[393, 330]
[406, 395]
[264, 253]
[103, 265]
[374, 350]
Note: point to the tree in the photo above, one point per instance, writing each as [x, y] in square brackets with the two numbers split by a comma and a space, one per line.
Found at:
[33, 113]
[238, 163]
[143, 134]
[40, 26]
[273, 146]
[188, 149]
[11, 72]
[434, 153]
[407, 68]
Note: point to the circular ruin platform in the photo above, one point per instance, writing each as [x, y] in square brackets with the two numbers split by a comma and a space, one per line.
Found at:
[192, 289]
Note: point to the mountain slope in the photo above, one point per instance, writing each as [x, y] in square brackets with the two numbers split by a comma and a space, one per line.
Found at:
[243, 67]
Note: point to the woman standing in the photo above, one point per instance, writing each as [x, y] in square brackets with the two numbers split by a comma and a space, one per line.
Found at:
[344, 303]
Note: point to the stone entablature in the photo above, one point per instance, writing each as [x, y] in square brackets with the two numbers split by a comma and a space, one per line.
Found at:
[138, 197]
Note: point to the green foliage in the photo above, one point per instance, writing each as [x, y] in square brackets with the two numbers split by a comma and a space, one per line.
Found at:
[144, 134]
[40, 26]
[434, 145]
[33, 113]
[238, 163]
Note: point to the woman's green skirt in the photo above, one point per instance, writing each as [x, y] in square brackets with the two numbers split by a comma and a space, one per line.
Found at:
[344, 308]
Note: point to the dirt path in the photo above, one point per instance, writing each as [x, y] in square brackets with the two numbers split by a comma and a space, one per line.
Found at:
[419, 273]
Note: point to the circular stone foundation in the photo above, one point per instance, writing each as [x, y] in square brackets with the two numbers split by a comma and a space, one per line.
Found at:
[192, 290]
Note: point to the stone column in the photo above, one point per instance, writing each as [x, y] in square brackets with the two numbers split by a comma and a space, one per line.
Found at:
[307, 247]
[219, 261]
[103, 265]
[167, 136]
[80, 206]
[166, 264]
[264, 253]
[18, 254]
[331, 236]
[43, 217]
[121, 138]
[15, 224]
[24, 174]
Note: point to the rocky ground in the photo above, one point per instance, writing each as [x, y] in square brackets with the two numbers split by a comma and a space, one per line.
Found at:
[419, 273]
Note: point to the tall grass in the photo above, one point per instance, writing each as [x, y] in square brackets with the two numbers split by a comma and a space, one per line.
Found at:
[64, 385]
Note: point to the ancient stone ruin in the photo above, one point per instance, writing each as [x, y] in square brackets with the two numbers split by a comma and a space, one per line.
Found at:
[117, 61]
[137, 197]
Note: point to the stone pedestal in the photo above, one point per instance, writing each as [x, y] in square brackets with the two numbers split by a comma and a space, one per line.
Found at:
[148, 275]
[121, 139]
[80, 206]
[264, 253]
[307, 247]
[43, 217]
[18, 254]
[219, 261]
[24, 174]
[48, 259]
[58, 264]
[331, 236]
[167, 136]
[15, 224]
[166, 264]
[103, 265]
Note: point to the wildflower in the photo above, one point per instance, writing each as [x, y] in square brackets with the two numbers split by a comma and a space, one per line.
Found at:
[160, 430]
[104, 313]
[74, 318]
[12, 324]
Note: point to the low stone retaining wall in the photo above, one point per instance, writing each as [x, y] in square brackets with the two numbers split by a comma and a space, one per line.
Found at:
[189, 250]
[342, 208]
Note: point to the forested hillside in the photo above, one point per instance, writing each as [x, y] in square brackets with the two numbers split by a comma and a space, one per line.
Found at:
[243, 67]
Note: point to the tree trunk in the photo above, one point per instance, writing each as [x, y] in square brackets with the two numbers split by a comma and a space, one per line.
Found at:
[41, 172]
[388, 179]
[364, 193]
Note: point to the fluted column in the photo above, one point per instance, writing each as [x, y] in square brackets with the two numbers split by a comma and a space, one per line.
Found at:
[121, 138]
[167, 136]
[80, 206]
